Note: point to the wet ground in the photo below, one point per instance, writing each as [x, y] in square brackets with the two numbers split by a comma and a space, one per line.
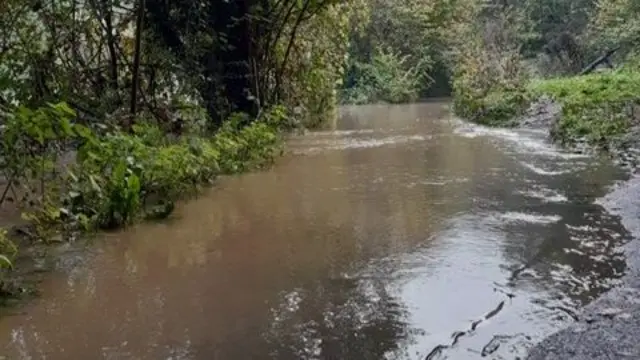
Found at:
[401, 234]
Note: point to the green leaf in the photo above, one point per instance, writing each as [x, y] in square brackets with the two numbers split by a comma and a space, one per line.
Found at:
[94, 184]
[5, 262]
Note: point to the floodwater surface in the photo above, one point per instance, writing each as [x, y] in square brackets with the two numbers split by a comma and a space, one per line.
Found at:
[400, 234]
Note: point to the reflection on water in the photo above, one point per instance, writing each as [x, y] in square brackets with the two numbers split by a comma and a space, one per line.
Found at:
[378, 239]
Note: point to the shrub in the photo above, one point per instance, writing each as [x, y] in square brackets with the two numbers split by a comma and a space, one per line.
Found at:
[485, 99]
[388, 78]
[489, 71]
[119, 177]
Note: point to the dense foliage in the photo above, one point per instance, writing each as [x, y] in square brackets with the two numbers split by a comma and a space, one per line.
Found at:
[488, 71]
[113, 109]
[392, 56]
[408, 47]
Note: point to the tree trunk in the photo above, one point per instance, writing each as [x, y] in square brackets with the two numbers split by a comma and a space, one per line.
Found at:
[232, 19]
[135, 72]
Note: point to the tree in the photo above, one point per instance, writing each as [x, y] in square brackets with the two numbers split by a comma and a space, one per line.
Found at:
[412, 35]
[615, 23]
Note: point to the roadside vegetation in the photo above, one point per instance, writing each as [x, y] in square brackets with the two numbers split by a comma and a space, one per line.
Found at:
[111, 111]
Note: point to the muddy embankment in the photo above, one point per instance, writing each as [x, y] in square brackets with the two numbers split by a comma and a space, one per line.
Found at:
[609, 327]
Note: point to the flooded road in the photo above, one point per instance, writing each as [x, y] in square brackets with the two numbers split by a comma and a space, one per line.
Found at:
[401, 234]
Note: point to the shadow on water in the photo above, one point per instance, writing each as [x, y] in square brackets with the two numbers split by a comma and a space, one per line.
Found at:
[400, 234]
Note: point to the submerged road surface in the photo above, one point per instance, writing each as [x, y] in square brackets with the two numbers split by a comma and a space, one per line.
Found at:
[401, 234]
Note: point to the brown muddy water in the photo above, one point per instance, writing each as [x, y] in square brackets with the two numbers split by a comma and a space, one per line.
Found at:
[386, 238]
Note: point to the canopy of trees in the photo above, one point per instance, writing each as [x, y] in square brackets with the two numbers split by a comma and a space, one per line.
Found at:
[112, 59]
[409, 46]
[108, 58]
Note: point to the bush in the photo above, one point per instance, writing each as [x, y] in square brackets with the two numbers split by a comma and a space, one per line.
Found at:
[489, 70]
[120, 177]
[483, 102]
[489, 86]
[388, 78]
[497, 108]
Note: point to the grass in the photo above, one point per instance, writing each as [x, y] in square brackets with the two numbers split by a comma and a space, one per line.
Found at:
[595, 107]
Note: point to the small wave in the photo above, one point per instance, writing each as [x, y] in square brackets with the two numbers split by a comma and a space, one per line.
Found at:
[545, 195]
[473, 131]
[530, 218]
[541, 171]
[433, 182]
[439, 182]
[342, 144]
[339, 132]
[528, 140]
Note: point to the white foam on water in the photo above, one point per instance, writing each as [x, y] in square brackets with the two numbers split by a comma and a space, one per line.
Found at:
[583, 228]
[532, 141]
[529, 218]
[339, 132]
[437, 182]
[444, 181]
[473, 131]
[541, 171]
[433, 182]
[545, 195]
[351, 143]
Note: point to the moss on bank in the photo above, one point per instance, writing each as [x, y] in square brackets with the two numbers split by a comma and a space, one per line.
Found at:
[118, 177]
[598, 108]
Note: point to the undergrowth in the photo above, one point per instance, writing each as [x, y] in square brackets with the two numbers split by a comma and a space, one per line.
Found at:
[118, 177]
